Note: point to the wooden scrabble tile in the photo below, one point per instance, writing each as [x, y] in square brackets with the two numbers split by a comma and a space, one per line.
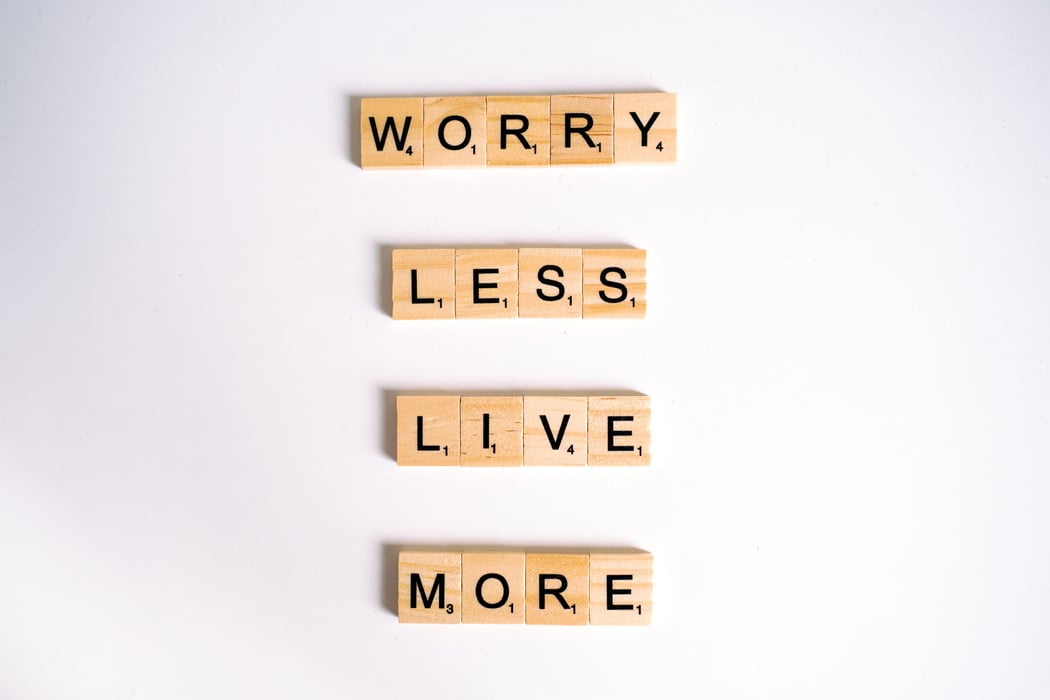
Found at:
[617, 431]
[494, 587]
[557, 588]
[424, 283]
[614, 283]
[581, 129]
[491, 432]
[555, 431]
[519, 130]
[428, 431]
[646, 130]
[550, 283]
[454, 131]
[428, 587]
[621, 588]
[487, 283]
[392, 132]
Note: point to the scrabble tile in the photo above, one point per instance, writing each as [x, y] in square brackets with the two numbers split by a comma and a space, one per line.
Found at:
[428, 431]
[493, 587]
[392, 132]
[550, 283]
[621, 588]
[555, 431]
[519, 130]
[557, 588]
[646, 130]
[487, 283]
[424, 283]
[454, 132]
[581, 129]
[428, 587]
[614, 283]
[617, 431]
[491, 432]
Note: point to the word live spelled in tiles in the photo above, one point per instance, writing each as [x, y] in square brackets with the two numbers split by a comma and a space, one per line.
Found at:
[535, 588]
[514, 431]
[492, 283]
[518, 130]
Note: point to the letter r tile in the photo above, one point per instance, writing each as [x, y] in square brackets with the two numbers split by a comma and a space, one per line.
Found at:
[581, 129]
[519, 130]
[557, 588]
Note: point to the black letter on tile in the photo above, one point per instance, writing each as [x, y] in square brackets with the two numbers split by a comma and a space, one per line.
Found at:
[552, 282]
[645, 128]
[604, 277]
[506, 591]
[504, 131]
[389, 126]
[556, 592]
[466, 135]
[479, 285]
[613, 433]
[419, 438]
[581, 130]
[438, 588]
[610, 592]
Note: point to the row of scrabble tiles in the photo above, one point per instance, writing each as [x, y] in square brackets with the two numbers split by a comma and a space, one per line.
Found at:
[518, 283]
[518, 130]
[537, 588]
[514, 431]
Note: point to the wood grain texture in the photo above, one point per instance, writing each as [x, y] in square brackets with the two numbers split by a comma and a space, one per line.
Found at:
[454, 132]
[491, 431]
[621, 588]
[614, 283]
[428, 587]
[646, 127]
[494, 587]
[518, 130]
[618, 431]
[392, 132]
[476, 270]
[434, 274]
[438, 444]
[555, 431]
[557, 588]
[540, 272]
[581, 129]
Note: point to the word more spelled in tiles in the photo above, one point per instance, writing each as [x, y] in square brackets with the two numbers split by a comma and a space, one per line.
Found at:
[537, 588]
[512, 431]
[492, 283]
[518, 130]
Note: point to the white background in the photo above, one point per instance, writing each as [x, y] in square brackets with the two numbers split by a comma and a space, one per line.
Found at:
[846, 348]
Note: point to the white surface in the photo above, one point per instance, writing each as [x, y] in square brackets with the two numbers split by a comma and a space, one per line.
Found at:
[847, 350]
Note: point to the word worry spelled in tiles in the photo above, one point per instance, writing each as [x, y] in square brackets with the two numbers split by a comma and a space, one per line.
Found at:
[514, 431]
[492, 283]
[518, 130]
[537, 588]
